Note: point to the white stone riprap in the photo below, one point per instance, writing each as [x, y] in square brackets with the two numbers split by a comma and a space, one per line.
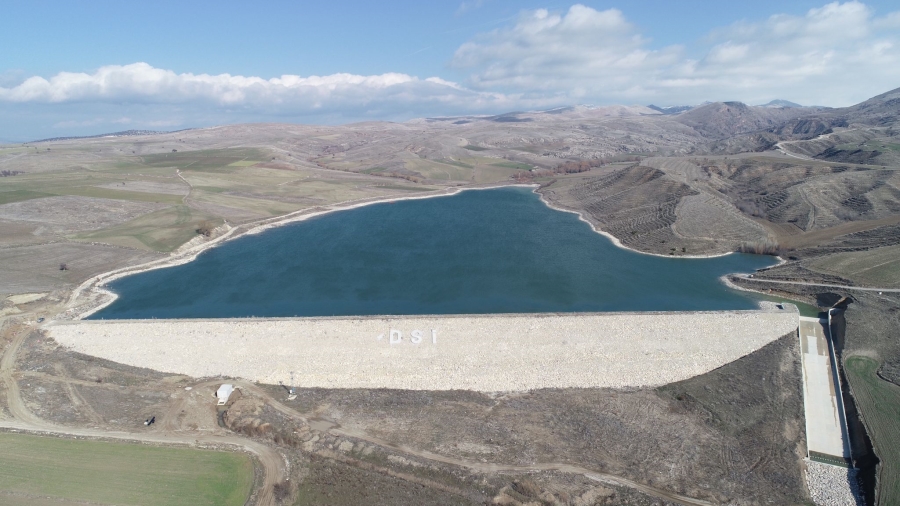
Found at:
[473, 352]
[832, 486]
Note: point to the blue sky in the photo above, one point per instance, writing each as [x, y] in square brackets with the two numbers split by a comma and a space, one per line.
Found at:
[88, 67]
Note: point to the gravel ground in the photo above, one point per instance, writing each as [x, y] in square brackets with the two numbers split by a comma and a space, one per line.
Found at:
[486, 353]
[832, 485]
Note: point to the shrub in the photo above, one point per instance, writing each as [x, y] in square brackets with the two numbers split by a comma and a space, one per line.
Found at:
[767, 247]
[206, 228]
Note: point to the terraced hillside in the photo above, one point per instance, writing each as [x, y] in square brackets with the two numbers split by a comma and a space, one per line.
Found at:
[820, 187]
[636, 204]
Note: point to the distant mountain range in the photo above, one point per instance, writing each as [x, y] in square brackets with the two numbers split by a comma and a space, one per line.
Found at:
[672, 109]
[678, 109]
[752, 128]
[781, 103]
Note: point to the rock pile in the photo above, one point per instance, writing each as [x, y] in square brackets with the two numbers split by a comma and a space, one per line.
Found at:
[832, 486]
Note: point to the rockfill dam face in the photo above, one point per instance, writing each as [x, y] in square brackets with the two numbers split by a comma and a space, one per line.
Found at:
[488, 353]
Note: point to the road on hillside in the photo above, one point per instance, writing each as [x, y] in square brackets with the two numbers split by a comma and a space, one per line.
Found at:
[273, 464]
[825, 285]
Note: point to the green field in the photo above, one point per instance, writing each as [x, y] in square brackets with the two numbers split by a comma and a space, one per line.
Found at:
[456, 163]
[875, 267]
[491, 170]
[226, 184]
[48, 470]
[513, 165]
[8, 197]
[163, 230]
[437, 170]
[879, 403]
[873, 145]
[212, 160]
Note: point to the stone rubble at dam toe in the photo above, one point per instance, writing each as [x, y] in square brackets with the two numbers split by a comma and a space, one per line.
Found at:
[832, 486]
[472, 352]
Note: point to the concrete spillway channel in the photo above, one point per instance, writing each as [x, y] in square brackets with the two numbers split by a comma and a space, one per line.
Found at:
[830, 478]
[826, 427]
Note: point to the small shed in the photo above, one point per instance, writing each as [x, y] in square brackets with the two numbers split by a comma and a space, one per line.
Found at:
[224, 392]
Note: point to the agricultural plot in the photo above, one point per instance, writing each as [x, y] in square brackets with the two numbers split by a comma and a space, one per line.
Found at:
[440, 171]
[875, 267]
[60, 471]
[157, 201]
[493, 170]
[493, 173]
[179, 188]
[208, 160]
[67, 214]
[879, 402]
[10, 196]
[36, 267]
[164, 230]
[343, 164]
[84, 183]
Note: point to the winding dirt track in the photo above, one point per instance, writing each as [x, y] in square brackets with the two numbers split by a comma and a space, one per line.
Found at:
[273, 464]
[824, 285]
[337, 430]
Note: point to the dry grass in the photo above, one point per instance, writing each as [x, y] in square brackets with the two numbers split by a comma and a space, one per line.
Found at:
[879, 402]
[875, 267]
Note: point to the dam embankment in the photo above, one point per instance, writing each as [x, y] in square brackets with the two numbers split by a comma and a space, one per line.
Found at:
[489, 353]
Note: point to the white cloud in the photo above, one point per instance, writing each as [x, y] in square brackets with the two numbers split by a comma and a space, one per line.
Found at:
[140, 82]
[583, 50]
[837, 54]
[154, 97]
[469, 6]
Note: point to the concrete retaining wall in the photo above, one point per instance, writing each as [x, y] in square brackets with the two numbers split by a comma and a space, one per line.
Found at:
[472, 352]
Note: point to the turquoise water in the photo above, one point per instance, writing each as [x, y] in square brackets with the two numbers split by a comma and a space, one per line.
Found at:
[487, 251]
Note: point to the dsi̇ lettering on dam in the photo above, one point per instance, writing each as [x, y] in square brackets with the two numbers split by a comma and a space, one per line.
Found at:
[415, 337]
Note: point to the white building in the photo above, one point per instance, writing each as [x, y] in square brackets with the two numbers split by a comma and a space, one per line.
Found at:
[223, 393]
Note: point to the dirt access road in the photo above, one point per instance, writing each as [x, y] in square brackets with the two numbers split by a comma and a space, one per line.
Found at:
[823, 285]
[273, 464]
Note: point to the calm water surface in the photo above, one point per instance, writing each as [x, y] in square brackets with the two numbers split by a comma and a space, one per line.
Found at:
[488, 251]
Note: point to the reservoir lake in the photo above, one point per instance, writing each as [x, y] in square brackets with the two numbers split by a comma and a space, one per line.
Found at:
[487, 251]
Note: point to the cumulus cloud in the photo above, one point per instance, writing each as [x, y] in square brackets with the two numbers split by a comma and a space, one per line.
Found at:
[154, 97]
[581, 53]
[819, 57]
[837, 54]
[291, 94]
